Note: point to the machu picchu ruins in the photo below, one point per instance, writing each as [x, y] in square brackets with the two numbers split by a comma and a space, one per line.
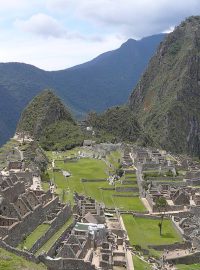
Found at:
[88, 226]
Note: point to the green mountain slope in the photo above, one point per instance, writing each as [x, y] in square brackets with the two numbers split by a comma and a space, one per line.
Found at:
[117, 124]
[103, 82]
[47, 120]
[167, 98]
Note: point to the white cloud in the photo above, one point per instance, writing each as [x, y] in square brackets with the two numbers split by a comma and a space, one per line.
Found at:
[42, 24]
[69, 32]
[46, 26]
[14, 4]
[58, 54]
[132, 17]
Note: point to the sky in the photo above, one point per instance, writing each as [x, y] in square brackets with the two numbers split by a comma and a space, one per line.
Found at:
[57, 34]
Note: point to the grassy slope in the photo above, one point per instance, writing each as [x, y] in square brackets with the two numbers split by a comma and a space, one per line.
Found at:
[90, 169]
[54, 238]
[139, 264]
[35, 235]
[149, 230]
[9, 261]
[93, 169]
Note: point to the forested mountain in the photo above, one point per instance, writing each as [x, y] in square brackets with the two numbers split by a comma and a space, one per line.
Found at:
[166, 101]
[96, 85]
[47, 120]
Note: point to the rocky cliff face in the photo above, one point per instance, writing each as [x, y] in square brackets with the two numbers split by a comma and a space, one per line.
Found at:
[167, 98]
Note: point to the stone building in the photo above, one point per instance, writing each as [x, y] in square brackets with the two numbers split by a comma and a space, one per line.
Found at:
[22, 210]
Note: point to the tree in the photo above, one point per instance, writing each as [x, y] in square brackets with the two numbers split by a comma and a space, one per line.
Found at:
[161, 205]
[120, 172]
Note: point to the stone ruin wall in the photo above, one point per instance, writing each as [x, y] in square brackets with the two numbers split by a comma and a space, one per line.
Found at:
[57, 223]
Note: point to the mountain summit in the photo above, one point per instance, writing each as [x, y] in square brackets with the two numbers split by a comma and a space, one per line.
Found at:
[47, 120]
[167, 98]
[103, 82]
[44, 110]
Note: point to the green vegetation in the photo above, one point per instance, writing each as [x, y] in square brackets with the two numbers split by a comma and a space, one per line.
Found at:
[34, 236]
[163, 104]
[42, 111]
[117, 124]
[9, 261]
[91, 169]
[55, 237]
[114, 158]
[195, 266]
[61, 136]
[47, 119]
[139, 264]
[175, 48]
[105, 81]
[7, 150]
[148, 229]
[161, 205]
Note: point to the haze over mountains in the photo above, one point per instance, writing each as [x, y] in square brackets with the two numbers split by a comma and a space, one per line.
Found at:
[96, 85]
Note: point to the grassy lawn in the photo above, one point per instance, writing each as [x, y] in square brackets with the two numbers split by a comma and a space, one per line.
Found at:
[84, 168]
[7, 149]
[113, 158]
[91, 169]
[188, 267]
[9, 261]
[34, 236]
[149, 230]
[139, 264]
[88, 168]
[128, 203]
[53, 239]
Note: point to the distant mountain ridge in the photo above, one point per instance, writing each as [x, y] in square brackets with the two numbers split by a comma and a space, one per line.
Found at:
[94, 86]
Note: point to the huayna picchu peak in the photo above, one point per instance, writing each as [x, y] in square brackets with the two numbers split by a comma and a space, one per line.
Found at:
[48, 120]
[166, 100]
[43, 110]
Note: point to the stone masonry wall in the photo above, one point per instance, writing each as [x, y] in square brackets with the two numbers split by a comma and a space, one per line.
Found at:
[59, 221]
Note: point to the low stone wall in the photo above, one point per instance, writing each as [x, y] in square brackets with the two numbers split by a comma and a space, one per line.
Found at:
[107, 188]
[170, 183]
[67, 264]
[129, 182]
[27, 255]
[188, 259]
[149, 167]
[130, 212]
[129, 171]
[93, 180]
[171, 247]
[51, 205]
[127, 189]
[146, 216]
[59, 221]
[177, 227]
[166, 178]
[125, 195]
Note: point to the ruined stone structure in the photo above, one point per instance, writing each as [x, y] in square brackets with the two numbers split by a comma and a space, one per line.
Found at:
[22, 209]
[95, 242]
